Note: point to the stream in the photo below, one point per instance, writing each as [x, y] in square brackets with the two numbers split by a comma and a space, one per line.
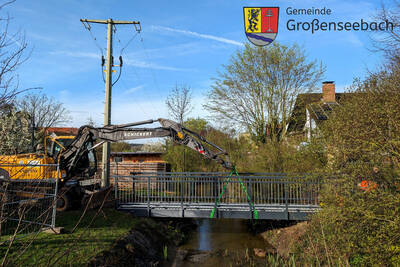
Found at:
[222, 242]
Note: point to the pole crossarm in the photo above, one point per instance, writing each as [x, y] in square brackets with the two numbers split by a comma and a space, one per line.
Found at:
[109, 21]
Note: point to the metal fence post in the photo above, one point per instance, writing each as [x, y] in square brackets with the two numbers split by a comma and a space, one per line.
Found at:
[181, 191]
[116, 201]
[218, 189]
[53, 216]
[285, 186]
[250, 192]
[148, 195]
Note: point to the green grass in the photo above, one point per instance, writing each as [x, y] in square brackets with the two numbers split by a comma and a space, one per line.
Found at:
[73, 248]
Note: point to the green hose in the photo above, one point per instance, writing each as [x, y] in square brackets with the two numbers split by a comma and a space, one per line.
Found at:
[255, 212]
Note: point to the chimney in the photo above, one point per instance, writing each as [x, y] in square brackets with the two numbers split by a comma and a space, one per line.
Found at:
[328, 92]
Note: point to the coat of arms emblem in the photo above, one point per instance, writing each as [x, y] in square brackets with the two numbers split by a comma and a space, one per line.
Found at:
[261, 24]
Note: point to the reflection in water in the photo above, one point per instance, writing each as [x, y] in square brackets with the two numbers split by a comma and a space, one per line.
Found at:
[221, 242]
[204, 235]
[223, 234]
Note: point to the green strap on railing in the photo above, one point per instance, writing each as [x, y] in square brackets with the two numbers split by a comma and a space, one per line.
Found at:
[220, 195]
[255, 212]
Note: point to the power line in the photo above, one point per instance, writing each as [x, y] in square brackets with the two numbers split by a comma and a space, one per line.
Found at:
[148, 59]
[122, 50]
[136, 103]
[111, 28]
[89, 28]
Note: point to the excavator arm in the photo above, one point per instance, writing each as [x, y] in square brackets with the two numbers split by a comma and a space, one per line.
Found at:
[78, 156]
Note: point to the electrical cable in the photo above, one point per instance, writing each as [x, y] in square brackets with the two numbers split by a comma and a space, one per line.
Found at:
[119, 75]
[151, 70]
[122, 50]
[88, 27]
[137, 103]
[140, 81]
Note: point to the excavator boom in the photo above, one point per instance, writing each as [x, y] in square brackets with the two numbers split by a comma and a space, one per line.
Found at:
[75, 158]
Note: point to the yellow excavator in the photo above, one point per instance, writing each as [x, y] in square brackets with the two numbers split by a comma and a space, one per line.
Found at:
[15, 166]
[77, 158]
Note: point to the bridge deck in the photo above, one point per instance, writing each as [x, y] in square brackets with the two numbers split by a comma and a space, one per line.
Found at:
[175, 210]
[195, 195]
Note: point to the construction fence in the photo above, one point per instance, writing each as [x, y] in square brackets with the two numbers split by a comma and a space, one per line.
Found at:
[28, 196]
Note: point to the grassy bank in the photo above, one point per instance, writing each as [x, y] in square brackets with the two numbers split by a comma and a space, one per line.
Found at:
[95, 232]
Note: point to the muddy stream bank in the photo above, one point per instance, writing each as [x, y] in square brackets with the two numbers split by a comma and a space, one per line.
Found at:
[202, 242]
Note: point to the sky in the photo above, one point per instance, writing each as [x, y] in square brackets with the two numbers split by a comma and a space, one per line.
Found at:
[181, 42]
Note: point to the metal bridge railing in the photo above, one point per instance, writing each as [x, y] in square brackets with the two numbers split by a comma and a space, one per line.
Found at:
[204, 188]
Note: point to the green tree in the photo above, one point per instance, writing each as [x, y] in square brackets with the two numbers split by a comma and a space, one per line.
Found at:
[257, 89]
[365, 130]
[362, 139]
[121, 147]
[194, 160]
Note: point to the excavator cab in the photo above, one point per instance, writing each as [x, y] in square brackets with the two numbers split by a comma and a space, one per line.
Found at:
[88, 162]
[53, 144]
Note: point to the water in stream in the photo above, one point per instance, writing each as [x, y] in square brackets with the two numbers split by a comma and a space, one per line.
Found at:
[220, 243]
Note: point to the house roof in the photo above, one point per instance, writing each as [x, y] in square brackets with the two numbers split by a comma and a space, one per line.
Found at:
[62, 130]
[318, 109]
[321, 111]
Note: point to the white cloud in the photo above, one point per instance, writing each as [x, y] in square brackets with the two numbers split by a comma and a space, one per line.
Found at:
[133, 89]
[17, 42]
[40, 37]
[147, 65]
[177, 50]
[76, 54]
[199, 35]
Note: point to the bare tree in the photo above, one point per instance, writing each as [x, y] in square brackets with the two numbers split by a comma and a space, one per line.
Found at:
[13, 53]
[179, 106]
[179, 102]
[388, 41]
[258, 89]
[90, 121]
[43, 112]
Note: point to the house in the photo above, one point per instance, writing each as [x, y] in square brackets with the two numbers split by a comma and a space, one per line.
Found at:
[128, 163]
[142, 164]
[312, 109]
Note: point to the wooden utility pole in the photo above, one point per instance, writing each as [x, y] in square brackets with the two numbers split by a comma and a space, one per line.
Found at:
[105, 178]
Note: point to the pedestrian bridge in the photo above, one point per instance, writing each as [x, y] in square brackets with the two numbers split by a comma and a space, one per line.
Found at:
[271, 196]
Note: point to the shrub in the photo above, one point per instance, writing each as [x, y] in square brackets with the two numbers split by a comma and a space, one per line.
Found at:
[355, 227]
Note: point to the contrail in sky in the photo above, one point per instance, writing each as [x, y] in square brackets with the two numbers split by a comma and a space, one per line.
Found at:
[199, 35]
